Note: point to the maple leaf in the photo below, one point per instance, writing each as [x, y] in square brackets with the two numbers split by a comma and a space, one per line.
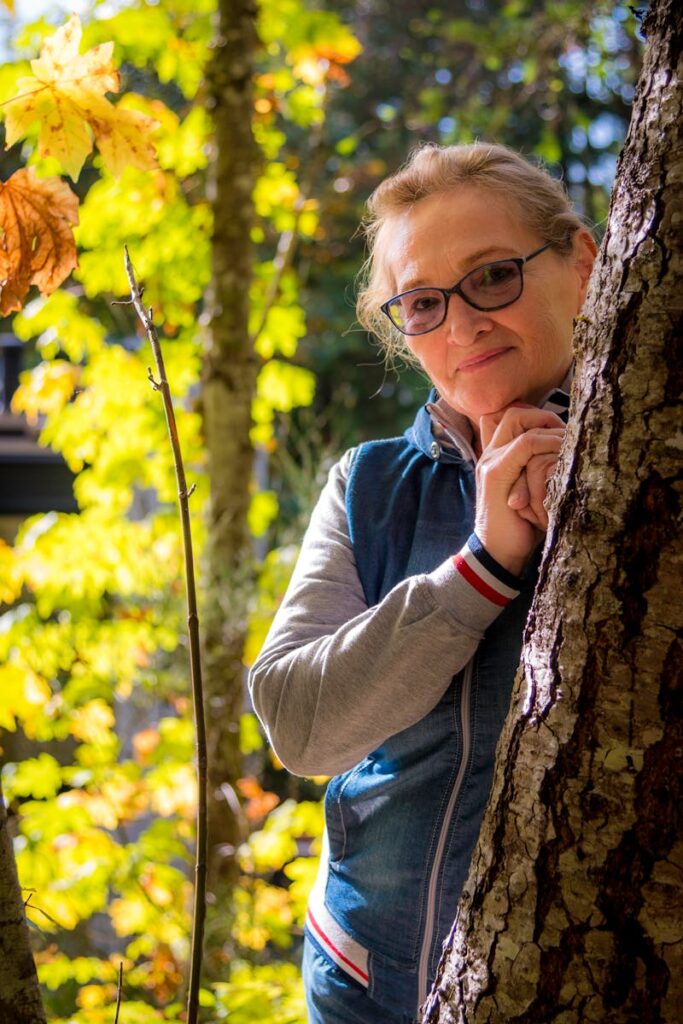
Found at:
[36, 236]
[65, 94]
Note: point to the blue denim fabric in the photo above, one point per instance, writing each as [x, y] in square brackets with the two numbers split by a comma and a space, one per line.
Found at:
[332, 997]
[408, 512]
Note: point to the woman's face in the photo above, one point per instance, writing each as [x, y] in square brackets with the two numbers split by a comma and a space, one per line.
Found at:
[481, 362]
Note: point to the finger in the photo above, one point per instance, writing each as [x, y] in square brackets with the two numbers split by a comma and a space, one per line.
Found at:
[538, 472]
[502, 466]
[489, 422]
[516, 420]
[519, 495]
[537, 491]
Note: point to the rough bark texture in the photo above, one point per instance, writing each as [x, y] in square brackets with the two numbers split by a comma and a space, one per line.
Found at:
[573, 910]
[229, 377]
[20, 1000]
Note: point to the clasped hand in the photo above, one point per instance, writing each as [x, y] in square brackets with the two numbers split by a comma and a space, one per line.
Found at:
[520, 447]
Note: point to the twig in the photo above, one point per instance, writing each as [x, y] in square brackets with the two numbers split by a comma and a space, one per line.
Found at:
[33, 906]
[199, 912]
[119, 993]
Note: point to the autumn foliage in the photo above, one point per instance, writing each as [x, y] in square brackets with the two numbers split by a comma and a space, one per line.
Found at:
[65, 96]
[37, 216]
[93, 670]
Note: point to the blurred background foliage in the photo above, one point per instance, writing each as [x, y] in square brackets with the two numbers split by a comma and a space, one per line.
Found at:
[95, 727]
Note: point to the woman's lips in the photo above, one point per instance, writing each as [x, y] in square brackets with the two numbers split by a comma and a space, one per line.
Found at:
[484, 359]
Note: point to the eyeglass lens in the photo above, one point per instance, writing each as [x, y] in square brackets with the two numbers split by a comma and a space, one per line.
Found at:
[489, 287]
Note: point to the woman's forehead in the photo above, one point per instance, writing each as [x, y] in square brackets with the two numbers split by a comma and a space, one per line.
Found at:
[449, 233]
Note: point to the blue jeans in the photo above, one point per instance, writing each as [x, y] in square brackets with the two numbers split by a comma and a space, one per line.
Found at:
[332, 997]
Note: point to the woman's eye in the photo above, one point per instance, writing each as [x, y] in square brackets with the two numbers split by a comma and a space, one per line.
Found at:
[423, 304]
[490, 277]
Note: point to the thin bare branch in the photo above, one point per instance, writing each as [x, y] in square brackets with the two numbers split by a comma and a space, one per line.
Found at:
[119, 993]
[161, 385]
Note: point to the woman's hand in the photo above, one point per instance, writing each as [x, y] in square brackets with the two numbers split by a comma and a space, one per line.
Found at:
[520, 449]
[527, 496]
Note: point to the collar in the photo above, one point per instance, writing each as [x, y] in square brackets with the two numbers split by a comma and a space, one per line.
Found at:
[453, 430]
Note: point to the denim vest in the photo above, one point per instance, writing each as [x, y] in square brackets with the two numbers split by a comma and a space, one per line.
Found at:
[402, 824]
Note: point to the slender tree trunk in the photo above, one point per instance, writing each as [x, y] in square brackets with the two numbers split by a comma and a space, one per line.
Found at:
[20, 1000]
[573, 910]
[227, 390]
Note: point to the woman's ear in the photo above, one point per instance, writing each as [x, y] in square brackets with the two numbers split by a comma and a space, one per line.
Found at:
[585, 251]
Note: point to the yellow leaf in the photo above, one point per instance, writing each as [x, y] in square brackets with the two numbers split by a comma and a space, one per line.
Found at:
[90, 996]
[92, 723]
[10, 574]
[46, 389]
[9, 4]
[262, 511]
[37, 243]
[65, 94]
[174, 790]
[23, 695]
[130, 915]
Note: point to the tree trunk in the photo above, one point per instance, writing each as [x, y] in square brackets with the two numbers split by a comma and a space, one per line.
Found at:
[573, 909]
[228, 384]
[20, 1000]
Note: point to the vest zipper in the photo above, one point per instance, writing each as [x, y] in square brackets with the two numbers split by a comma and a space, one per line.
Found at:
[438, 856]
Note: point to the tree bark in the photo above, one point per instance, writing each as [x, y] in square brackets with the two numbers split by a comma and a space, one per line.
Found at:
[20, 1000]
[573, 909]
[228, 384]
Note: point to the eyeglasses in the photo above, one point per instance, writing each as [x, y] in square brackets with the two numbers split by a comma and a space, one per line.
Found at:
[489, 287]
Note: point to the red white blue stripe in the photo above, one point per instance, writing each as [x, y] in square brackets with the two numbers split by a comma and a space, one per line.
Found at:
[484, 574]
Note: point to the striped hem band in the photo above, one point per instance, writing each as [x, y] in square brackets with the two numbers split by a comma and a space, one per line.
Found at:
[340, 947]
[483, 581]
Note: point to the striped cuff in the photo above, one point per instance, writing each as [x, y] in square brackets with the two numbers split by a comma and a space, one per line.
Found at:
[485, 574]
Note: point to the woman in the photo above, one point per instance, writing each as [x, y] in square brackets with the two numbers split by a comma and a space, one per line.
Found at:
[390, 662]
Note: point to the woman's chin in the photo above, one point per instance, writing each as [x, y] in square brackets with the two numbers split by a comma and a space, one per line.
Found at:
[474, 410]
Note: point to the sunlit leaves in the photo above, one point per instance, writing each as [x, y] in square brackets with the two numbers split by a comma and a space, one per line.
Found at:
[262, 511]
[172, 36]
[66, 860]
[251, 739]
[114, 555]
[271, 994]
[173, 789]
[66, 95]
[39, 777]
[10, 578]
[59, 325]
[23, 697]
[276, 843]
[285, 322]
[45, 390]
[316, 43]
[280, 387]
[259, 802]
[262, 914]
[168, 241]
[37, 216]
[95, 657]
[274, 577]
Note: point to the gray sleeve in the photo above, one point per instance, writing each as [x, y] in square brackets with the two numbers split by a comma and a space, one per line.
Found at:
[335, 678]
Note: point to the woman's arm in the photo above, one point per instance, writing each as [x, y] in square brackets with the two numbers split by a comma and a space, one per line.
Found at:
[336, 678]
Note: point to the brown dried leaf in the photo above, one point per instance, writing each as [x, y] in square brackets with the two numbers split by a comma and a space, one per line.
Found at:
[36, 236]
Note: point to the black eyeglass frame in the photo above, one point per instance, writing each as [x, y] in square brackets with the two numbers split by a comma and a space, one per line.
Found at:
[457, 290]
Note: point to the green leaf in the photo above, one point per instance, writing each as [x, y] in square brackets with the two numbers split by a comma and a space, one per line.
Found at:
[38, 777]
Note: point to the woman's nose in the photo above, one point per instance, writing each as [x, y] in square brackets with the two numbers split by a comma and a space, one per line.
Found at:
[464, 324]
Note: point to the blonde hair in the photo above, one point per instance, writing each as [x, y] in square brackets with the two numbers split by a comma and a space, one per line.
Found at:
[542, 200]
